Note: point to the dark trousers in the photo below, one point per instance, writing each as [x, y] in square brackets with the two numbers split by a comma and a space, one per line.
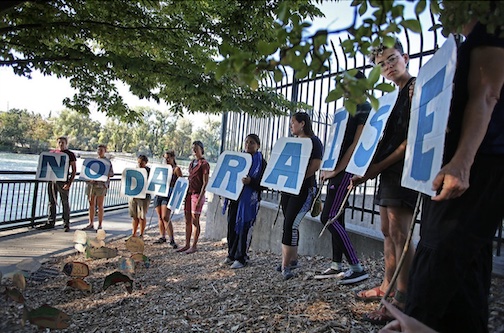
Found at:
[450, 276]
[238, 243]
[341, 243]
[53, 188]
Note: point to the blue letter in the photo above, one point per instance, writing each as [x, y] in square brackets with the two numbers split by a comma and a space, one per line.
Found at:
[338, 118]
[177, 194]
[291, 151]
[59, 170]
[422, 162]
[99, 173]
[130, 174]
[363, 155]
[233, 172]
[163, 182]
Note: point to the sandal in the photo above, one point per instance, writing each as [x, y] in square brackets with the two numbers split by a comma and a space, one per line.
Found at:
[378, 317]
[88, 227]
[377, 296]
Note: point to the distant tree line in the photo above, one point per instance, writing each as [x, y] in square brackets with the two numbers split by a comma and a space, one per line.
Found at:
[27, 132]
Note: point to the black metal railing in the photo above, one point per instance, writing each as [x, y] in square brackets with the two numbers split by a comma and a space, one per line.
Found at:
[24, 201]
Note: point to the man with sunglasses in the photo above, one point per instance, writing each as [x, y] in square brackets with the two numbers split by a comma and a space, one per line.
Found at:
[396, 202]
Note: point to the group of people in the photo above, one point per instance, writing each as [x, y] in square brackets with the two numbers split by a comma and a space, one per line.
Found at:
[445, 283]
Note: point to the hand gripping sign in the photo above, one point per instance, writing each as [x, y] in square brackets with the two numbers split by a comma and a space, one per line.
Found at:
[287, 166]
[227, 177]
[371, 135]
[53, 167]
[96, 169]
[429, 116]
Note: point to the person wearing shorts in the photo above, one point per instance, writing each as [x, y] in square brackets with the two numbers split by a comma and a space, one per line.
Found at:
[199, 171]
[396, 202]
[96, 192]
[138, 207]
[161, 203]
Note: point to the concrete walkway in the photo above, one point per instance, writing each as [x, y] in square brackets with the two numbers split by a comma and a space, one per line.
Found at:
[26, 243]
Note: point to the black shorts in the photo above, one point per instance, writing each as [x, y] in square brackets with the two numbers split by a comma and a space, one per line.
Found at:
[391, 193]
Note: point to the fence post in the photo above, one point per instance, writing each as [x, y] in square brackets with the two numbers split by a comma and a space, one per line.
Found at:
[223, 131]
[34, 204]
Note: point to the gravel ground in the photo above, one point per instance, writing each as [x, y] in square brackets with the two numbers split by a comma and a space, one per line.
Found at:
[195, 293]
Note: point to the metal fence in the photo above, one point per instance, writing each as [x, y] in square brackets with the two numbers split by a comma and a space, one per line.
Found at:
[24, 201]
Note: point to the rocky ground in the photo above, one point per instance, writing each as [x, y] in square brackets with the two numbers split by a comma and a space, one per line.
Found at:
[194, 293]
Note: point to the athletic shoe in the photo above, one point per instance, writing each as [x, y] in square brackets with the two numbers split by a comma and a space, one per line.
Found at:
[293, 265]
[353, 277]
[287, 274]
[161, 240]
[46, 226]
[173, 244]
[66, 228]
[237, 265]
[330, 273]
[88, 227]
[227, 261]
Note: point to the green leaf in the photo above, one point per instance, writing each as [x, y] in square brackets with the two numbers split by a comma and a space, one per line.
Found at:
[363, 8]
[350, 106]
[374, 75]
[267, 48]
[278, 75]
[375, 103]
[385, 87]
[254, 84]
[420, 7]
[333, 95]
[389, 41]
[413, 25]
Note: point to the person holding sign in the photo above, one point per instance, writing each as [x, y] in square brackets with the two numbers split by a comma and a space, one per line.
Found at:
[138, 207]
[63, 188]
[96, 192]
[396, 202]
[295, 207]
[451, 272]
[242, 212]
[199, 171]
[161, 203]
[336, 189]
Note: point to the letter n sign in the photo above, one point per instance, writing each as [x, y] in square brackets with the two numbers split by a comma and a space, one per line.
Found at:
[53, 167]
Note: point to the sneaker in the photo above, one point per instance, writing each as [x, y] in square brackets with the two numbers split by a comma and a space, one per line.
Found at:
[161, 240]
[46, 226]
[99, 227]
[66, 228]
[88, 227]
[173, 244]
[287, 274]
[227, 261]
[237, 265]
[330, 273]
[293, 265]
[353, 277]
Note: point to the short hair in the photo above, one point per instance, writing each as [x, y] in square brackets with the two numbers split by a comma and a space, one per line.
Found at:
[199, 143]
[380, 48]
[143, 158]
[102, 146]
[307, 128]
[254, 137]
[63, 138]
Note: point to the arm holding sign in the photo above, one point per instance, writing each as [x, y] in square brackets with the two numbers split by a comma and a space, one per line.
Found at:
[486, 79]
[72, 175]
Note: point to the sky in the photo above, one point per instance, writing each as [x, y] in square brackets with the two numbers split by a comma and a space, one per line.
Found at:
[44, 94]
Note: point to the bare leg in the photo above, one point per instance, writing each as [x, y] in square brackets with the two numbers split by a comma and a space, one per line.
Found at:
[289, 253]
[143, 224]
[188, 232]
[196, 233]
[100, 201]
[162, 230]
[92, 203]
[168, 223]
[135, 225]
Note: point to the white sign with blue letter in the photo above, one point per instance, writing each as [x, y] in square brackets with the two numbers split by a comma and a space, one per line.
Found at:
[429, 116]
[287, 166]
[178, 195]
[159, 179]
[134, 182]
[227, 177]
[53, 167]
[335, 140]
[96, 169]
[371, 135]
